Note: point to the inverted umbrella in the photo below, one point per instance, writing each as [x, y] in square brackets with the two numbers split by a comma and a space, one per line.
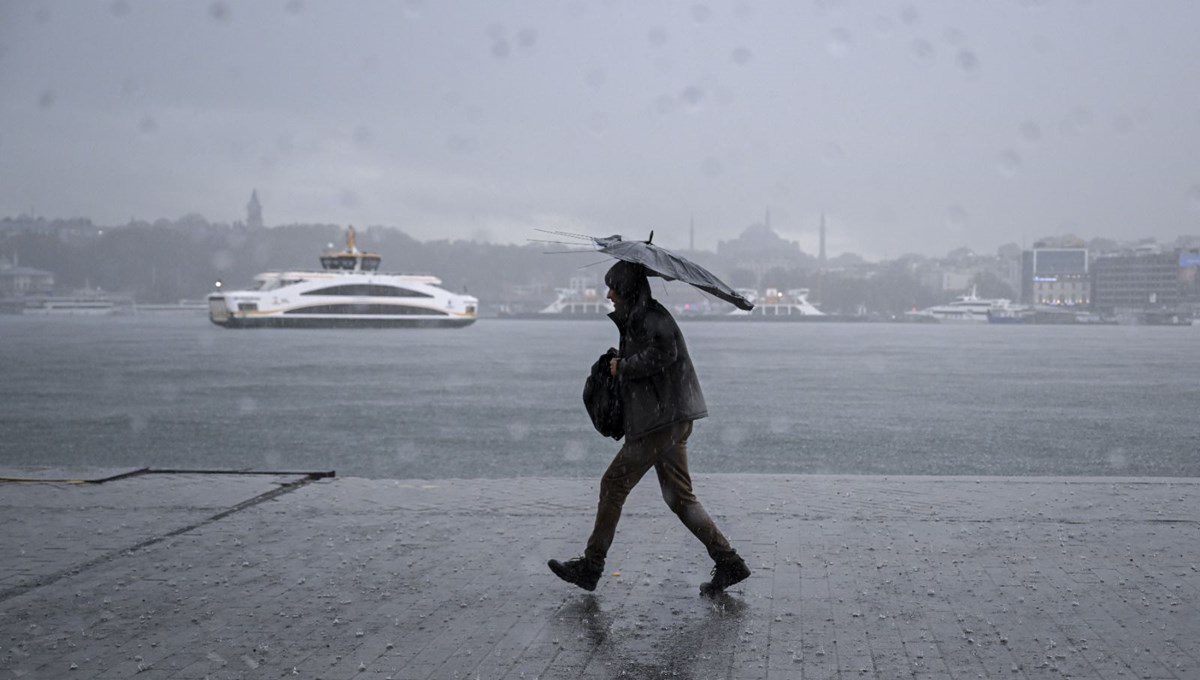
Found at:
[664, 264]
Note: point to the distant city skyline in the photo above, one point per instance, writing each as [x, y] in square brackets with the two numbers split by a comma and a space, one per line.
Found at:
[913, 126]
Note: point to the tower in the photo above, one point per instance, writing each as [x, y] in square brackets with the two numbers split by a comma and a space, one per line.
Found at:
[254, 218]
[821, 256]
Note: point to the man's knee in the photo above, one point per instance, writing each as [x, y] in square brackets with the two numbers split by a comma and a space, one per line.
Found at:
[613, 489]
[677, 499]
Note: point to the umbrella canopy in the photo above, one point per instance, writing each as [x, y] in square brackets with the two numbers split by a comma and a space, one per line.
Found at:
[665, 264]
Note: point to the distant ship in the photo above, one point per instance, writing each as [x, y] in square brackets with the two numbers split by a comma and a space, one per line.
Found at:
[965, 308]
[349, 291]
[84, 302]
[778, 303]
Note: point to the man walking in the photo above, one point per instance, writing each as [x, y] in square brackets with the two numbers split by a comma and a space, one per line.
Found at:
[661, 396]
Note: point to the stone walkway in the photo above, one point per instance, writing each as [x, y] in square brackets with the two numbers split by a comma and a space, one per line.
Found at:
[190, 576]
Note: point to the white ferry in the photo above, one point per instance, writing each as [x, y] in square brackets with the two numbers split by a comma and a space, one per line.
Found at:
[576, 301]
[965, 308]
[778, 303]
[85, 303]
[348, 292]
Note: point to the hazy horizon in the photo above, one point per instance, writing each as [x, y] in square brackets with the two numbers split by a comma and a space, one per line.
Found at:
[912, 126]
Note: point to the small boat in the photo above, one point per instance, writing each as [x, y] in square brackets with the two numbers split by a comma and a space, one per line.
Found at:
[349, 291]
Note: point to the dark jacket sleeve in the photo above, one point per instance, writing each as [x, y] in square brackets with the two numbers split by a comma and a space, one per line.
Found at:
[657, 350]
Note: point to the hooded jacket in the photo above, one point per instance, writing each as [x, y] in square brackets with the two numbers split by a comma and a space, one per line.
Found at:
[658, 383]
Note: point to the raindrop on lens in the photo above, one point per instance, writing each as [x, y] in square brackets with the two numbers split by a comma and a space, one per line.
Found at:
[692, 97]
[956, 217]
[1010, 163]
[741, 56]
[519, 431]
[839, 43]
[1117, 459]
[219, 12]
[967, 61]
[574, 451]
[922, 52]
[527, 37]
[1030, 132]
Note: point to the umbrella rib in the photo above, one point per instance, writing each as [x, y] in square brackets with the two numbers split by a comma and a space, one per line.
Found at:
[565, 233]
[593, 264]
[583, 248]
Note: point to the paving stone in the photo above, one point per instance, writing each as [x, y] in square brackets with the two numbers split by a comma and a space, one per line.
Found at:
[190, 576]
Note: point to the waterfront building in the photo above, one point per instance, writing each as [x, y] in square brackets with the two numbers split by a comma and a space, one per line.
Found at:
[17, 281]
[1141, 280]
[1055, 276]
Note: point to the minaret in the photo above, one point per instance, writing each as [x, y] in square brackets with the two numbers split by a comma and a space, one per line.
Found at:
[254, 218]
[821, 257]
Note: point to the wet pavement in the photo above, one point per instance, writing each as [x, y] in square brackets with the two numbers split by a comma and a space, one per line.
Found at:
[186, 575]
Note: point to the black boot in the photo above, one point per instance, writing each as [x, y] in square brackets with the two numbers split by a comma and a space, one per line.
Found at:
[578, 571]
[727, 572]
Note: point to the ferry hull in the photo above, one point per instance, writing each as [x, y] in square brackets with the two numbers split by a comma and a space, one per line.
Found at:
[319, 322]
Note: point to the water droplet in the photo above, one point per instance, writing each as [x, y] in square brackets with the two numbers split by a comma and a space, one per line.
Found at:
[147, 125]
[595, 78]
[46, 99]
[701, 12]
[1031, 133]
[1010, 163]
[839, 43]
[832, 153]
[219, 12]
[657, 36]
[527, 37]
[692, 97]
[967, 61]
[956, 217]
[922, 52]
[1194, 197]
[363, 138]
[740, 56]
[712, 167]
[574, 451]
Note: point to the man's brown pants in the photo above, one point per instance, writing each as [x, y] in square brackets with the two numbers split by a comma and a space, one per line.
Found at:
[665, 451]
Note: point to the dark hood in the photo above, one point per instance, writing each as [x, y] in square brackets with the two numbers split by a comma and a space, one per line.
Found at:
[629, 281]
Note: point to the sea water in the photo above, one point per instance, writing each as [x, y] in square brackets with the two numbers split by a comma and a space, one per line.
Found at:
[502, 398]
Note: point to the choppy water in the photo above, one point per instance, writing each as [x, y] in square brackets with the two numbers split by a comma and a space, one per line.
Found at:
[502, 398]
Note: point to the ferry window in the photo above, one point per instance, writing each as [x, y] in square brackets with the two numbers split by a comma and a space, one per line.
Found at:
[368, 290]
[365, 309]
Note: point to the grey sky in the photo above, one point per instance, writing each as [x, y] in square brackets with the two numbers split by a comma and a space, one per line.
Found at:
[915, 126]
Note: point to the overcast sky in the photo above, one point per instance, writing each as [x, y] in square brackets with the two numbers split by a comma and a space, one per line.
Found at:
[914, 126]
